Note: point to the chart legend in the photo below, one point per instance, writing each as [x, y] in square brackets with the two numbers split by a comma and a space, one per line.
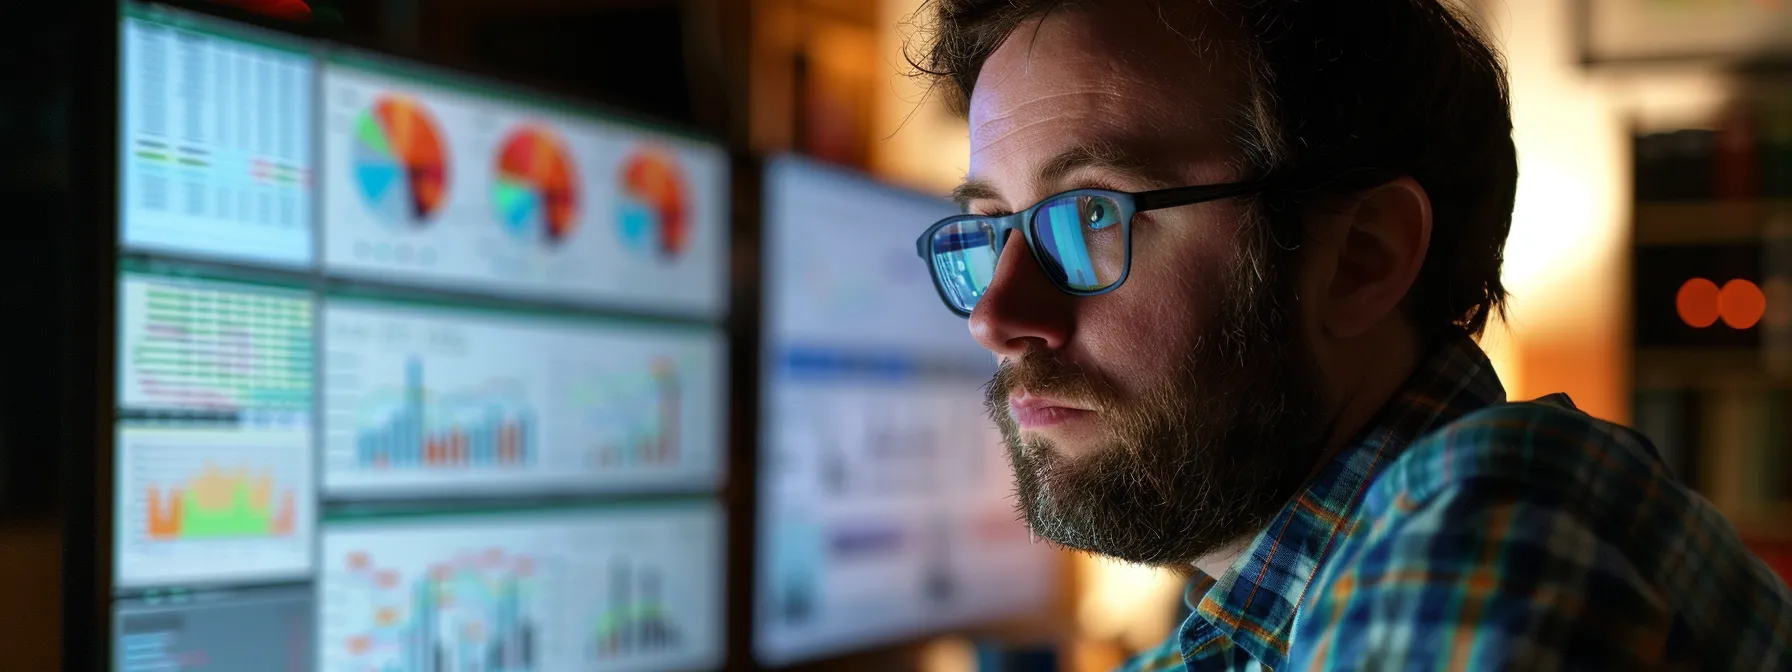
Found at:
[265, 629]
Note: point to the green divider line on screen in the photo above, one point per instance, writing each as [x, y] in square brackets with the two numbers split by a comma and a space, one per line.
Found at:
[169, 271]
[373, 514]
[349, 294]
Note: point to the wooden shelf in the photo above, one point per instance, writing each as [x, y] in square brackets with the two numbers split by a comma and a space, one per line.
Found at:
[1711, 222]
[1674, 368]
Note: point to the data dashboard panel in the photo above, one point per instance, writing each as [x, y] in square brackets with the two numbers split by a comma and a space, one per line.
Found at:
[215, 143]
[431, 182]
[264, 629]
[885, 509]
[414, 371]
[214, 468]
[427, 400]
[599, 591]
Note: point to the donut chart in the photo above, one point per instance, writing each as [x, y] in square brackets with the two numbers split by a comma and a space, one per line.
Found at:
[400, 165]
[653, 204]
[535, 192]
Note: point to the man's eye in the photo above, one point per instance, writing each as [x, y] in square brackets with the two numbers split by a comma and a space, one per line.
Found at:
[1099, 213]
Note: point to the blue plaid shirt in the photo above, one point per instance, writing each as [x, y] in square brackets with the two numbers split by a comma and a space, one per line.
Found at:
[1462, 532]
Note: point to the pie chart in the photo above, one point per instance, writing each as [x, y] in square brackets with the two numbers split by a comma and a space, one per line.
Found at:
[536, 191]
[399, 161]
[653, 204]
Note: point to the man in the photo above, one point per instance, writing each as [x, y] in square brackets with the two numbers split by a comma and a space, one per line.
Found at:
[1233, 256]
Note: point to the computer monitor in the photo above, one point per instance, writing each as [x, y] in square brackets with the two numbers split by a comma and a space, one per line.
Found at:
[415, 372]
[884, 506]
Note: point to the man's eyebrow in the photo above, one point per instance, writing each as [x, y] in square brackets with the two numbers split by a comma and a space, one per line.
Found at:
[1098, 154]
[974, 189]
[1095, 154]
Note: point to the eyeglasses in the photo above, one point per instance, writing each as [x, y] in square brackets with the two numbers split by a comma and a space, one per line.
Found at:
[1082, 240]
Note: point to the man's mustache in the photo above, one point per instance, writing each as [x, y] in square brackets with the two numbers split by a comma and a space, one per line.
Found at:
[1045, 375]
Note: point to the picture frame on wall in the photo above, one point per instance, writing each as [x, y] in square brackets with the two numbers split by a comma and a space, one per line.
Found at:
[1670, 32]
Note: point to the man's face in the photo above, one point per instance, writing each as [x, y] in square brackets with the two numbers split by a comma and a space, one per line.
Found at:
[1176, 413]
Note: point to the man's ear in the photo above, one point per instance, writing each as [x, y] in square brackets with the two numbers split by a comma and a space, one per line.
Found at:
[1386, 234]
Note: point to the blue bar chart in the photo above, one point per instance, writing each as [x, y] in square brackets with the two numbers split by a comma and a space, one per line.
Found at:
[598, 589]
[421, 400]
[497, 436]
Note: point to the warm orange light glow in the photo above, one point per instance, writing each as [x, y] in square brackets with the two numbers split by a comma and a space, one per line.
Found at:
[1741, 304]
[1697, 303]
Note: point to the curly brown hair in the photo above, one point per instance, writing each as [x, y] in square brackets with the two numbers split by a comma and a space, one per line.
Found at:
[1344, 95]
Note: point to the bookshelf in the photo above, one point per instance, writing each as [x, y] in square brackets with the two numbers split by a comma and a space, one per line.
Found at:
[1712, 309]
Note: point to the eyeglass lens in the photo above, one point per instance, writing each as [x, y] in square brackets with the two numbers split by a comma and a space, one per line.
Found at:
[1081, 248]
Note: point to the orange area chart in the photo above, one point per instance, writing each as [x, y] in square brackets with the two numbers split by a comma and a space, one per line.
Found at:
[220, 503]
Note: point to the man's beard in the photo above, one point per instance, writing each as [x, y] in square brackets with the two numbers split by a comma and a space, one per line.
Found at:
[1202, 460]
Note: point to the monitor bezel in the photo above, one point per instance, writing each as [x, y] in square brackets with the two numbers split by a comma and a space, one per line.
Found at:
[89, 357]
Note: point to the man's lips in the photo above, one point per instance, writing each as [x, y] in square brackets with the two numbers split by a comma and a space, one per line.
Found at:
[1031, 412]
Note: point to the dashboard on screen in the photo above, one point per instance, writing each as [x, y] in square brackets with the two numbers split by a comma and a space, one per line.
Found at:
[415, 373]
[885, 508]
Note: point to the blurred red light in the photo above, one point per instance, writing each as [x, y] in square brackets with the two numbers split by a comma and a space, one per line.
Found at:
[1697, 303]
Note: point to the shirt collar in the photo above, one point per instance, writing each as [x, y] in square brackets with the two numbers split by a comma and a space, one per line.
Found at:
[1253, 603]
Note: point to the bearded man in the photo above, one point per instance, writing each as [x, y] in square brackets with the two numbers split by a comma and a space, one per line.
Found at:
[1234, 257]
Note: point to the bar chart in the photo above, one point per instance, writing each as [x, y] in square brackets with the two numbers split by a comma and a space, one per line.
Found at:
[497, 435]
[607, 590]
[213, 503]
[636, 618]
[420, 400]
[464, 614]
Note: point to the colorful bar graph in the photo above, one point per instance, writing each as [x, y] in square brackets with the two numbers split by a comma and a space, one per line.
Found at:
[636, 619]
[407, 440]
[477, 601]
[218, 503]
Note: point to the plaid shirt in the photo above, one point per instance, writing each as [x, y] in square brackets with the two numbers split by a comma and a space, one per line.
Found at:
[1461, 532]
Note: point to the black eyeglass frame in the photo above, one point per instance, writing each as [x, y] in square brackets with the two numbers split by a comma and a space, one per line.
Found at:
[1130, 203]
